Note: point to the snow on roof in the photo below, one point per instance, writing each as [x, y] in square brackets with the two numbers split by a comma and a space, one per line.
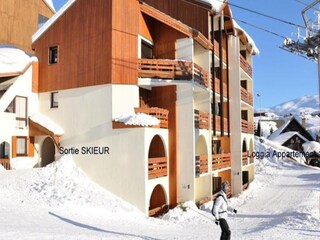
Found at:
[217, 5]
[50, 5]
[251, 42]
[267, 128]
[140, 119]
[279, 130]
[312, 146]
[52, 20]
[282, 138]
[47, 123]
[13, 60]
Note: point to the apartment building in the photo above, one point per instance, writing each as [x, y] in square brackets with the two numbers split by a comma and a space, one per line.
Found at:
[108, 69]
[18, 69]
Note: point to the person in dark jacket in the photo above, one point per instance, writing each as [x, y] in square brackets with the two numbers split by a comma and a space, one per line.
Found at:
[221, 209]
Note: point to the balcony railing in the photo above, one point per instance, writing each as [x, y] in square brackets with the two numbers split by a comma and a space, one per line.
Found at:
[201, 120]
[246, 96]
[245, 66]
[216, 51]
[217, 87]
[220, 161]
[201, 164]
[5, 162]
[244, 159]
[160, 113]
[218, 123]
[172, 69]
[247, 127]
[157, 167]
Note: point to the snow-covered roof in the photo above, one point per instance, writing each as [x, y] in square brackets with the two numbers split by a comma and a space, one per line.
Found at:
[282, 138]
[251, 42]
[46, 122]
[140, 119]
[279, 130]
[50, 5]
[13, 60]
[217, 5]
[52, 20]
[311, 147]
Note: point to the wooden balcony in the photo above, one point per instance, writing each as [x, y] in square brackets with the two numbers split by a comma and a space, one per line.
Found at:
[160, 113]
[220, 161]
[217, 87]
[216, 51]
[201, 164]
[245, 158]
[246, 96]
[201, 120]
[218, 123]
[172, 69]
[157, 167]
[5, 162]
[247, 127]
[245, 66]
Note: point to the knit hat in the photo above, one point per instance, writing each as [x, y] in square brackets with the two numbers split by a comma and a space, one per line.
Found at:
[224, 186]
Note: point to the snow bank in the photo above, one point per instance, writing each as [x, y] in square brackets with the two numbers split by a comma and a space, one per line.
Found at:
[140, 119]
[23, 163]
[13, 60]
[311, 147]
[267, 128]
[2, 169]
[47, 123]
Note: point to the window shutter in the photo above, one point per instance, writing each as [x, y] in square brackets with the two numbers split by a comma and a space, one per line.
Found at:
[14, 146]
[31, 147]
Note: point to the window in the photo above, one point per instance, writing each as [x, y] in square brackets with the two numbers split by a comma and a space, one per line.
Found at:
[146, 50]
[21, 149]
[53, 55]
[4, 150]
[20, 108]
[54, 100]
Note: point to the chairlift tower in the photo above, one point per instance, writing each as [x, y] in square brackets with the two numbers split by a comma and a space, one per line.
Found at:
[310, 46]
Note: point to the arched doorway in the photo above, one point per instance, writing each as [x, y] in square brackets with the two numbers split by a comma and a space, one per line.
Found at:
[157, 160]
[244, 153]
[4, 155]
[201, 156]
[47, 152]
[158, 203]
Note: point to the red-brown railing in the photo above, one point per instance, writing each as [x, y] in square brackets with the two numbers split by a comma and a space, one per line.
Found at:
[201, 120]
[221, 161]
[5, 162]
[217, 87]
[201, 164]
[245, 66]
[216, 51]
[160, 113]
[246, 96]
[218, 123]
[247, 127]
[172, 69]
[157, 167]
[244, 159]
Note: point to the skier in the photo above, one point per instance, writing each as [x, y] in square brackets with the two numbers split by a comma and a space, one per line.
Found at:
[220, 211]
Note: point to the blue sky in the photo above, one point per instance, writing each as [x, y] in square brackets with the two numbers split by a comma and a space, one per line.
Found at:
[279, 76]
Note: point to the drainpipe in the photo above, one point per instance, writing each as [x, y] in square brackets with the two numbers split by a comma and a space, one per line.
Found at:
[213, 74]
[228, 96]
[221, 75]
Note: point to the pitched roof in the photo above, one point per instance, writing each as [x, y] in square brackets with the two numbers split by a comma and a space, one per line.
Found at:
[282, 138]
[50, 5]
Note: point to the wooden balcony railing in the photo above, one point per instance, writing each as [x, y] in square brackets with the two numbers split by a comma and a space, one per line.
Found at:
[220, 161]
[201, 164]
[245, 158]
[157, 167]
[246, 96]
[201, 120]
[247, 127]
[160, 113]
[216, 51]
[217, 87]
[172, 69]
[218, 123]
[5, 162]
[245, 66]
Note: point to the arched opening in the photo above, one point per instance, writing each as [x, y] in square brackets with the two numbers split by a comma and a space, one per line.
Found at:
[251, 151]
[157, 160]
[47, 152]
[201, 158]
[244, 153]
[158, 204]
[4, 155]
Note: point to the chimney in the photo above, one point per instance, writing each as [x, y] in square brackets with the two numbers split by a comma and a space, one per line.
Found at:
[303, 122]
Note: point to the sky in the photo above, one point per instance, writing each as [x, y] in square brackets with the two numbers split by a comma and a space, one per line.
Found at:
[279, 76]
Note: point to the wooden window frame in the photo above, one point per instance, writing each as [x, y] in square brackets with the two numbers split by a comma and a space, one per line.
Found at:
[51, 59]
[54, 104]
[25, 154]
[25, 119]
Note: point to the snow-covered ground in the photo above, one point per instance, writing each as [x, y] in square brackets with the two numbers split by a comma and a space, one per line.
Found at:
[60, 202]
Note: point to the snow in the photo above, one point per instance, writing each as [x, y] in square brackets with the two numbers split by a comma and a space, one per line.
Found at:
[140, 119]
[47, 123]
[50, 4]
[267, 127]
[217, 5]
[60, 202]
[23, 162]
[13, 60]
[311, 147]
[282, 138]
